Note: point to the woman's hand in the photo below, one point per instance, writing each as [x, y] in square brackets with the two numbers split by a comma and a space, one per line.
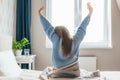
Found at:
[40, 10]
[89, 8]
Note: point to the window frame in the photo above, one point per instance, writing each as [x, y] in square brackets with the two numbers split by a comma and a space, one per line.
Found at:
[107, 25]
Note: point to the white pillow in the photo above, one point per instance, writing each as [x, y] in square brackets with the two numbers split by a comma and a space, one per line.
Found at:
[8, 64]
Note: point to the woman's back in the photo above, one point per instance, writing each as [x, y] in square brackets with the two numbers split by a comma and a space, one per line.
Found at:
[58, 58]
[65, 49]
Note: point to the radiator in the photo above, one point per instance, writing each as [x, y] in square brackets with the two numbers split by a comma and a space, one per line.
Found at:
[88, 62]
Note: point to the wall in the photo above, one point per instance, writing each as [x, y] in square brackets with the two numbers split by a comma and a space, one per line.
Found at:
[7, 16]
[108, 59]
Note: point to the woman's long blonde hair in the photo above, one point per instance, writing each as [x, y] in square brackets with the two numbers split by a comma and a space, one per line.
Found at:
[66, 40]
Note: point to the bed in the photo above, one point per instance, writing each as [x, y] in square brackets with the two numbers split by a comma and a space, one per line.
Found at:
[5, 46]
[34, 75]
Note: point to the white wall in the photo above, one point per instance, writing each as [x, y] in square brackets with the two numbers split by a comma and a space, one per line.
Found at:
[5, 42]
[108, 59]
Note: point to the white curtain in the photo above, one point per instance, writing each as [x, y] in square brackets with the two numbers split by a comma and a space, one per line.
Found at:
[7, 16]
[118, 3]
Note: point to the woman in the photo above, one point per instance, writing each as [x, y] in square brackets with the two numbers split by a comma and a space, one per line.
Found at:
[65, 47]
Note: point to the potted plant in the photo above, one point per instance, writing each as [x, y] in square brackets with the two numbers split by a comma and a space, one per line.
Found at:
[18, 46]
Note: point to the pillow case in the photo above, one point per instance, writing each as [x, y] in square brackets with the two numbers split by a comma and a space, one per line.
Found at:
[8, 64]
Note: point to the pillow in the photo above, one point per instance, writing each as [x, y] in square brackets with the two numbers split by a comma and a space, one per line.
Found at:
[8, 64]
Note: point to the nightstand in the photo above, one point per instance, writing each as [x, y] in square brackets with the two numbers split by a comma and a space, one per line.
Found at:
[30, 60]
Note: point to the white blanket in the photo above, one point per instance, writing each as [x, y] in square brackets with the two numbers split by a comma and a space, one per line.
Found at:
[84, 75]
[30, 75]
[25, 75]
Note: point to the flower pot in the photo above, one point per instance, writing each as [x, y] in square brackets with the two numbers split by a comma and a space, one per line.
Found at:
[18, 52]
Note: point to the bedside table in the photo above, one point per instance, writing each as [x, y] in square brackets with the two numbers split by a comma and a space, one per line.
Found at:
[30, 60]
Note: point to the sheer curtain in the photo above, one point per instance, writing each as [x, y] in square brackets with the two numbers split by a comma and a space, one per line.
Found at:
[118, 3]
[7, 16]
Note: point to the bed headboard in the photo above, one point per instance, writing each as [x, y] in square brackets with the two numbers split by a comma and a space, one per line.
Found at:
[5, 42]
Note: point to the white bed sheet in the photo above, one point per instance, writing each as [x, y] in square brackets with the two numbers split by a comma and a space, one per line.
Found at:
[111, 75]
[25, 75]
[78, 79]
[105, 75]
[34, 75]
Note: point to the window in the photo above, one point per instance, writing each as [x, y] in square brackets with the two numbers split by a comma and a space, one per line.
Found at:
[71, 13]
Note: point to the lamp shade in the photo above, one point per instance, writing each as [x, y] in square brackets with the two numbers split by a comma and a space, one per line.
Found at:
[118, 3]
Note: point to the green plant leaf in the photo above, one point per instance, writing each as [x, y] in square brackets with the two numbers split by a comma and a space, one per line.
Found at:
[18, 45]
